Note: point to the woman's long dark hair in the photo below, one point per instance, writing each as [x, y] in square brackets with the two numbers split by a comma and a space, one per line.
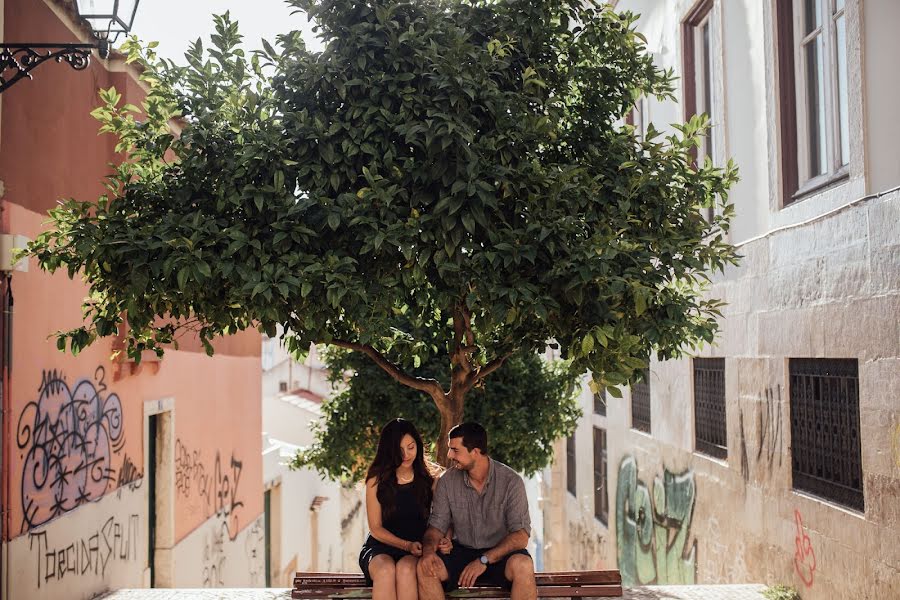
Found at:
[388, 457]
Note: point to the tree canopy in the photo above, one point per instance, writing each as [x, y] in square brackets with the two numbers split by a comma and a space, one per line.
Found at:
[526, 406]
[464, 164]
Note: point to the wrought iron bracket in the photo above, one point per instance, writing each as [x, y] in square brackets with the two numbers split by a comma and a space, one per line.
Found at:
[18, 60]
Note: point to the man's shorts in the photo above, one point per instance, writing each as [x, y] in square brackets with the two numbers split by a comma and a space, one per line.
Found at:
[461, 556]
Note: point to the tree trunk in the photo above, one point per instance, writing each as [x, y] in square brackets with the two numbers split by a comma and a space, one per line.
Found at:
[451, 410]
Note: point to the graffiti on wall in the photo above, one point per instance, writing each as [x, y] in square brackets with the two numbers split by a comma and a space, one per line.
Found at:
[653, 527]
[769, 428]
[724, 554]
[895, 443]
[255, 548]
[67, 438]
[113, 541]
[804, 555]
[769, 433]
[217, 488]
[217, 547]
[587, 546]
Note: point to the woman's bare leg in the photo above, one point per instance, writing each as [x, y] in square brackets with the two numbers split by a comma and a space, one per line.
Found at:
[407, 586]
[383, 573]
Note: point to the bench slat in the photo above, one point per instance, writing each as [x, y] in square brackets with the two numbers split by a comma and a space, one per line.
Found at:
[342, 580]
[584, 591]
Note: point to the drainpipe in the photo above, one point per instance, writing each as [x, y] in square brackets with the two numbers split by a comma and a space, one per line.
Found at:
[6, 312]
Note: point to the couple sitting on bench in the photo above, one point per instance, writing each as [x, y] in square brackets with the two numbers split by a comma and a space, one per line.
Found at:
[433, 533]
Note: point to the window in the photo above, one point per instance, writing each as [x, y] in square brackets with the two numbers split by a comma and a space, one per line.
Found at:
[639, 118]
[601, 497]
[640, 404]
[825, 444]
[813, 93]
[282, 386]
[699, 92]
[570, 465]
[600, 402]
[709, 407]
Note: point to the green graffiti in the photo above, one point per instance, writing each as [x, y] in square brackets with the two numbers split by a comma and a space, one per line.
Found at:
[652, 530]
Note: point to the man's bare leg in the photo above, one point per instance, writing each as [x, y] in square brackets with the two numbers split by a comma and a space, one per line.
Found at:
[520, 570]
[430, 583]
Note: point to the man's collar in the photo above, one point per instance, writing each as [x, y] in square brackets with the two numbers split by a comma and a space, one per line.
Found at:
[487, 479]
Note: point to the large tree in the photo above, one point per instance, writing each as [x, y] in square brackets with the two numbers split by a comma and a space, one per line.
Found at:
[526, 406]
[463, 163]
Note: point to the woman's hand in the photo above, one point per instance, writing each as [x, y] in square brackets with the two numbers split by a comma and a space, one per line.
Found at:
[445, 546]
[415, 548]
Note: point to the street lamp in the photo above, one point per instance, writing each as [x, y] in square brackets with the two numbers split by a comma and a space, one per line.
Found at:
[108, 20]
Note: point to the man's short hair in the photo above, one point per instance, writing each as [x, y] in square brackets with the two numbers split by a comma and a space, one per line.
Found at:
[473, 436]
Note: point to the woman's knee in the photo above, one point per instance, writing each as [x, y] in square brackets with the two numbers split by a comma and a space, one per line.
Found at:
[382, 567]
[406, 569]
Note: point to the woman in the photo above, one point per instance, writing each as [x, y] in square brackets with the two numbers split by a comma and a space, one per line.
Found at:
[399, 488]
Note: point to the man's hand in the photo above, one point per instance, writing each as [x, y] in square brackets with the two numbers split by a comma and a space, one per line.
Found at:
[445, 545]
[430, 563]
[472, 572]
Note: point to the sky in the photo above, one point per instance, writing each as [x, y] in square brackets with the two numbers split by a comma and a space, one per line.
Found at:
[177, 23]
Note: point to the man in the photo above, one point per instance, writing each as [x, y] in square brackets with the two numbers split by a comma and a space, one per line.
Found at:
[485, 502]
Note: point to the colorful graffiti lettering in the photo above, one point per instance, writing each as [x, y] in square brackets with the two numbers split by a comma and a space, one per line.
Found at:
[804, 555]
[218, 491]
[113, 541]
[653, 530]
[67, 436]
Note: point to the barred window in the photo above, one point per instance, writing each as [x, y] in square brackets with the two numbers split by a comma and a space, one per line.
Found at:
[601, 496]
[640, 404]
[825, 444]
[570, 465]
[709, 407]
[600, 402]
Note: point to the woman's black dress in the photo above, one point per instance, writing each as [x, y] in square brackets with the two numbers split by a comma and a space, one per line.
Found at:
[406, 522]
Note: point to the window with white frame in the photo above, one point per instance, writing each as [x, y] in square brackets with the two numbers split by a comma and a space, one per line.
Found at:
[700, 76]
[813, 92]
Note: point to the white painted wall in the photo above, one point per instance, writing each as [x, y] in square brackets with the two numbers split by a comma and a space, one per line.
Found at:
[820, 278]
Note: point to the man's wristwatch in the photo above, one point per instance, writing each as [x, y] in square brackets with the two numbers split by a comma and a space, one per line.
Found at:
[484, 560]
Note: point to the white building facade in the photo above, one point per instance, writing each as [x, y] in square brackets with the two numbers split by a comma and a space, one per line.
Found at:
[774, 455]
[315, 524]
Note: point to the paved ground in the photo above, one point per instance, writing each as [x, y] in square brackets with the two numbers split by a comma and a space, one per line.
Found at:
[665, 592]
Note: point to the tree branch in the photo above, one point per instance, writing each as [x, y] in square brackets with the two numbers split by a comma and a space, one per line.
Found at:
[481, 373]
[429, 386]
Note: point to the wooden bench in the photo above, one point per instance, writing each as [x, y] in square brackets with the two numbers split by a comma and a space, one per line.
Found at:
[558, 584]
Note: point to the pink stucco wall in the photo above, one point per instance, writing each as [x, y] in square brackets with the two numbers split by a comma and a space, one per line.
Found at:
[50, 149]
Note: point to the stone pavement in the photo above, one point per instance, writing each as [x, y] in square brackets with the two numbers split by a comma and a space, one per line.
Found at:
[663, 592]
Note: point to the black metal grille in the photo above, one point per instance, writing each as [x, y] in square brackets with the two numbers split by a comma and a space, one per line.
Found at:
[825, 443]
[600, 402]
[709, 407]
[570, 465]
[601, 496]
[640, 404]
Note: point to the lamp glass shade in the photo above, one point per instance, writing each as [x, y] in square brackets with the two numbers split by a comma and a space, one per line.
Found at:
[108, 18]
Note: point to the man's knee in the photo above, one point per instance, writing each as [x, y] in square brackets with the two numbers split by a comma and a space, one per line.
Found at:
[424, 571]
[519, 566]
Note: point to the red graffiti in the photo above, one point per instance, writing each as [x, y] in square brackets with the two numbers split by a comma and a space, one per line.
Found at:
[804, 555]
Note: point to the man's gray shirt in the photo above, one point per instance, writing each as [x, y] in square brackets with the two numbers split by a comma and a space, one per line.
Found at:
[481, 520]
